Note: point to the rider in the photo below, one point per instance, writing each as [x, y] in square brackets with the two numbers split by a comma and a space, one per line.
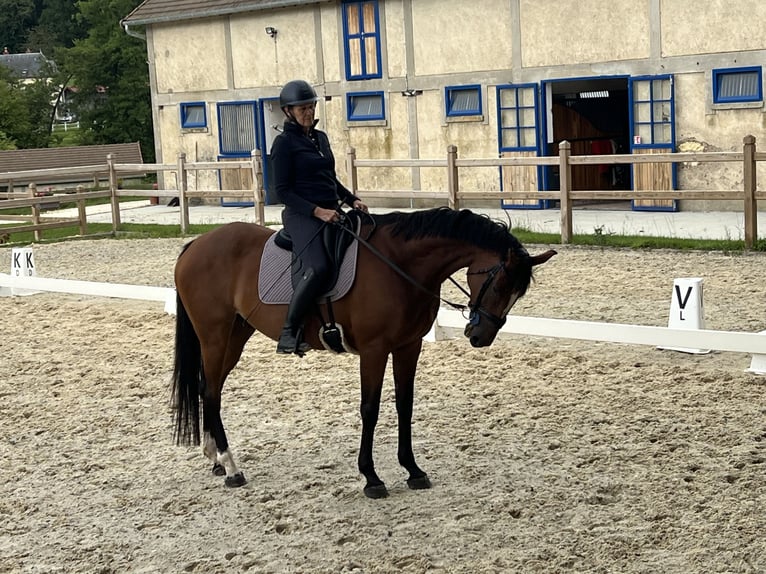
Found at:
[303, 168]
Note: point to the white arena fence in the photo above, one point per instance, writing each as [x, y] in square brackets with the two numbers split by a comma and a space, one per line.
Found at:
[450, 323]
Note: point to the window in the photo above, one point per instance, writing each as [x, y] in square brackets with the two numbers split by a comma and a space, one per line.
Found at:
[237, 128]
[361, 37]
[193, 115]
[737, 85]
[652, 111]
[517, 112]
[365, 106]
[463, 100]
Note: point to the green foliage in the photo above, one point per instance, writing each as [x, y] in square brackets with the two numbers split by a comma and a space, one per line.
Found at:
[601, 239]
[110, 70]
[16, 18]
[58, 26]
[15, 123]
[93, 54]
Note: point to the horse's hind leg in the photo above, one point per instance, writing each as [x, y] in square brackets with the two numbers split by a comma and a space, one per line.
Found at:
[405, 362]
[217, 366]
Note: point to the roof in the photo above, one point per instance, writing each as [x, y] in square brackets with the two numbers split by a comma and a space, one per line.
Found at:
[28, 65]
[56, 157]
[153, 11]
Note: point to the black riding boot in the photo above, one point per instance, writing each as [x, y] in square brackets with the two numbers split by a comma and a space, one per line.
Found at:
[304, 295]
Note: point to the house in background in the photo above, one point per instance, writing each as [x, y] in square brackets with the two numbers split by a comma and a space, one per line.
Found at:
[406, 78]
[31, 67]
[28, 66]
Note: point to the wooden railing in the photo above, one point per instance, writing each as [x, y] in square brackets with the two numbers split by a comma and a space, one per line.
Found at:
[37, 223]
[454, 195]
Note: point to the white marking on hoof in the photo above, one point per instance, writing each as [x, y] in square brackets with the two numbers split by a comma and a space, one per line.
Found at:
[226, 460]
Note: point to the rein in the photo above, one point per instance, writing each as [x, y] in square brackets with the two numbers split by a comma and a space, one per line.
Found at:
[474, 308]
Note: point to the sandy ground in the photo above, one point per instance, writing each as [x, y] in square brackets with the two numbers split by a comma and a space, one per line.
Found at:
[546, 455]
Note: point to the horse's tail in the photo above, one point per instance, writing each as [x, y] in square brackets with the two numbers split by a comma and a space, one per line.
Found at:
[188, 379]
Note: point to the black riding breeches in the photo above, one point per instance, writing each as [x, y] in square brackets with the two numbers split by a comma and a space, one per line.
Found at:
[308, 247]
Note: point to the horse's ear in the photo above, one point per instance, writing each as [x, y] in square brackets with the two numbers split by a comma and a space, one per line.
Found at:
[542, 258]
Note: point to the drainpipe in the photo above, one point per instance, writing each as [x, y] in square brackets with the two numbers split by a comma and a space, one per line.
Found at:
[130, 32]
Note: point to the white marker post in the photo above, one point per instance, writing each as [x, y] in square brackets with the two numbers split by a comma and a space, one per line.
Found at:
[687, 310]
[23, 266]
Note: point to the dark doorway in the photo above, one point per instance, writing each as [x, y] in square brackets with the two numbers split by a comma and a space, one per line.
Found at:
[593, 115]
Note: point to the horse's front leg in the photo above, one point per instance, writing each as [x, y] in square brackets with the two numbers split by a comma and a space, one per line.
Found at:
[372, 368]
[405, 362]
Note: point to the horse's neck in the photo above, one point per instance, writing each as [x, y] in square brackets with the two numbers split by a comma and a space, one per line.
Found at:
[434, 259]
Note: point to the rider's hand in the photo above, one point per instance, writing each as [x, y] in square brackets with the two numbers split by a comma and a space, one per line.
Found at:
[326, 215]
[358, 204]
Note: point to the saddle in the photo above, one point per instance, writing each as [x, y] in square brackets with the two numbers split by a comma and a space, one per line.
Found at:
[275, 278]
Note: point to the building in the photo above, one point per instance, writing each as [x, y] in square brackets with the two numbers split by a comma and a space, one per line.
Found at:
[28, 66]
[407, 78]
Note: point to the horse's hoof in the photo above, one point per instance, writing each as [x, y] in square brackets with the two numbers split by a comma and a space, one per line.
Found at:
[235, 480]
[419, 483]
[376, 491]
[218, 469]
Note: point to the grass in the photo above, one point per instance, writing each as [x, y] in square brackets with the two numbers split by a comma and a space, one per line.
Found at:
[637, 241]
[154, 231]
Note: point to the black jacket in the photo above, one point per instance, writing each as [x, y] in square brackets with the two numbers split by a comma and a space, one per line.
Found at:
[303, 168]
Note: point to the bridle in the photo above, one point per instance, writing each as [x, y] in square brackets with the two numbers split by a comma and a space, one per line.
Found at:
[476, 310]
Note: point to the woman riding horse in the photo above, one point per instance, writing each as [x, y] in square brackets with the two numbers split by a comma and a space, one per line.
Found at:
[304, 174]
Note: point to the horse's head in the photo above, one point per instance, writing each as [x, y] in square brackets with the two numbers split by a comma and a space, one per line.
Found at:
[495, 288]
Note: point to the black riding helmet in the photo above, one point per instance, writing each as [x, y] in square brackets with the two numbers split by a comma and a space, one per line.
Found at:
[297, 93]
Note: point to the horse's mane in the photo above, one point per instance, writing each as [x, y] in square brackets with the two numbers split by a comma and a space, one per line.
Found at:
[463, 225]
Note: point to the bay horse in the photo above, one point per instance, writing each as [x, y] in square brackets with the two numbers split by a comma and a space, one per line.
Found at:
[402, 262]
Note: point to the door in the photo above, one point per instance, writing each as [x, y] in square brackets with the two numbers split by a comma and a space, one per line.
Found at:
[237, 138]
[517, 117]
[652, 125]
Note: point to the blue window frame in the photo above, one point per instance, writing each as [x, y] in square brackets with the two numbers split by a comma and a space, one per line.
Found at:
[361, 38]
[193, 115]
[365, 106]
[237, 125]
[652, 112]
[737, 85]
[463, 100]
[517, 114]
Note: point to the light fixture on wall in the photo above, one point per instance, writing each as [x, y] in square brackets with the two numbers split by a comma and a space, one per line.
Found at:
[409, 93]
[272, 31]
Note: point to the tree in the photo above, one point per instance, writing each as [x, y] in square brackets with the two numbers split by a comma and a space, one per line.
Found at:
[110, 71]
[58, 25]
[16, 18]
[24, 113]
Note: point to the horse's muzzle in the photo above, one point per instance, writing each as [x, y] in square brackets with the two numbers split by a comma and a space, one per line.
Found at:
[476, 332]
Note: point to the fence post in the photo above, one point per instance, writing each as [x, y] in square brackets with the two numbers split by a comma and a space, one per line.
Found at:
[32, 192]
[256, 158]
[453, 185]
[81, 212]
[183, 200]
[113, 192]
[565, 184]
[751, 204]
[353, 181]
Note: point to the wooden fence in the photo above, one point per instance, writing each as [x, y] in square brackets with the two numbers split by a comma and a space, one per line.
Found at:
[453, 196]
[37, 223]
